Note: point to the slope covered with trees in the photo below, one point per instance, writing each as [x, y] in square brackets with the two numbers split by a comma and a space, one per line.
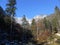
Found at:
[16, 34]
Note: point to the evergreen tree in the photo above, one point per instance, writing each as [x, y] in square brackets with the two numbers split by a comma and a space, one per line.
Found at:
[57, 10]
[46, 23]
[55, 24]
[25, 23]
[11, 7]
[34, 28]
[57, 13]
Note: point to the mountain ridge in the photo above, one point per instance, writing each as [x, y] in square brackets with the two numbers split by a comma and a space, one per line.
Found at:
[37, 17]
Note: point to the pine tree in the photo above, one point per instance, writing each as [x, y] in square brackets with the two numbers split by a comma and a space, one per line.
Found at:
[10, 11]
[57, 13]
[55, 24]
[46, 23]
[34, 28]
[57, 10]
[56, 19]
[11, 7]
[25, 23]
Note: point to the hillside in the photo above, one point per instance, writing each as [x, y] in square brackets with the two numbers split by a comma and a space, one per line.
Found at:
[12, 35]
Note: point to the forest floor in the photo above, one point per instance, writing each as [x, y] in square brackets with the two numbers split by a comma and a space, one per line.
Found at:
[57, 42]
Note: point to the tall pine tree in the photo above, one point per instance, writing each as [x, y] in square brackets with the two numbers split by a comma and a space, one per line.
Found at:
[57, 13]
[34, 28]
[57, 10]
[10, 11]
[11, 7]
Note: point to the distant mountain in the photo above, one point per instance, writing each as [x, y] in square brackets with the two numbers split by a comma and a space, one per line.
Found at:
[40, 16]
[19, 20]
[37, 17]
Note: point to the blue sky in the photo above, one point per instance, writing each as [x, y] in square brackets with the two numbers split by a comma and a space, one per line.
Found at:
[31, 8]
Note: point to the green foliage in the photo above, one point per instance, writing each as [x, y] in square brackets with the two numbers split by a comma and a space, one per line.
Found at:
[33, 22]
[57, 10]
[10, 10]
[55, 30]
[17, 32]
[34, 28]
[55, 24]
[57, 13]
[47, 23]
[25, 23]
